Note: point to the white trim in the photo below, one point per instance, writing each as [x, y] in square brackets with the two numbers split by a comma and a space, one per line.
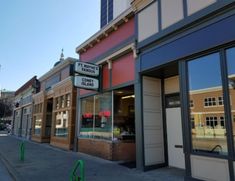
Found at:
[116, 53]
[61, 65]
[206, 90]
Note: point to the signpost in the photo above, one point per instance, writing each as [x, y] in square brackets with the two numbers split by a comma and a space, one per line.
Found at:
[86, 75]
[86, 82]
[87, 69]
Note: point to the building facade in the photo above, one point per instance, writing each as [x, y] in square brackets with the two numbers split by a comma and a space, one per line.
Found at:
[23, 104]
[107, 117]
[184, 86]
[54, 107]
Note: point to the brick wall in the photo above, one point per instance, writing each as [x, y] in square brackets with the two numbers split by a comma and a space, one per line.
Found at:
[107, 149]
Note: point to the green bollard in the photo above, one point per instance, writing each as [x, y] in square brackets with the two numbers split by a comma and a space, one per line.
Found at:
[22, 151]
[73, 176]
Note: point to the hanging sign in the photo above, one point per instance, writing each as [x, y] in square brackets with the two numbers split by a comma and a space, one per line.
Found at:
[87, 69]
[86, 82]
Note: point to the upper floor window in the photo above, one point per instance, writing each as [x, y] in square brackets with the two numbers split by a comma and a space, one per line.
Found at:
[106, 12]
[191, 103]
[210, 101]
[220, 101]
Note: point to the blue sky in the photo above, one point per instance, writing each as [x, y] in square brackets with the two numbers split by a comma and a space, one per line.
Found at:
[33, 32]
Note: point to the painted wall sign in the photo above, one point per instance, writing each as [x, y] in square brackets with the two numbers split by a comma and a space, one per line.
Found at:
[86, 82]
[87, 69]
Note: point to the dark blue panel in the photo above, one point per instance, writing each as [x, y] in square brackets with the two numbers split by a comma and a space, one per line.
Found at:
[103, 13]
[203, 39]
[110, 10]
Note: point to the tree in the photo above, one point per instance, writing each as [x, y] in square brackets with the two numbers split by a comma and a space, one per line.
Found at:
[6, 108]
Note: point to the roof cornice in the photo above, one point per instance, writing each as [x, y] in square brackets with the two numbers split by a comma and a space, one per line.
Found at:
[106, 30]
[58, 67]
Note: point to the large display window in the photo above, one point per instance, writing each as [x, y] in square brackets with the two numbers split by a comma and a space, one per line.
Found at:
[230, 56]
[96, 117]
[109, 116]
[207, 112]
[61, 112]
[124, 114]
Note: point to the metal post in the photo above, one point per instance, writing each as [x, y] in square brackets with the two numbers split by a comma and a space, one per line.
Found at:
[73, 176]
[22, 149]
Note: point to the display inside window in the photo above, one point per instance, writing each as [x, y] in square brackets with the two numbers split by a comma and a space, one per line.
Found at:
[61, 123]
[38, 125]
[207, 114]
[124, 114]
[96, 117]
[230, 55]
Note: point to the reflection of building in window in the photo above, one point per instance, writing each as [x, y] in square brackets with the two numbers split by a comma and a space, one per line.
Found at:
[38, 125]
[192, 122]
[210, 101]
[96, 116]
[191, 103]
[61, 127]
[220, 101]
[211, 121]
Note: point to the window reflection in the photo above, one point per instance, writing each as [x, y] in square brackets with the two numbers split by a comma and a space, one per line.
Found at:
[61, 124]
[230, 55]
[207, 113]
[96, 118]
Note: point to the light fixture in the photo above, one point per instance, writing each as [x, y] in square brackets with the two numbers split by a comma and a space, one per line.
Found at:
[127, 97]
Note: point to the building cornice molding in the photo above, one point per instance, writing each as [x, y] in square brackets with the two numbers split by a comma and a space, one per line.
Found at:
[57, 68]
[106, 30]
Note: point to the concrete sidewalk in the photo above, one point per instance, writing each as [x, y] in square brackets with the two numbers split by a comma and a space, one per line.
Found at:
[43, 162]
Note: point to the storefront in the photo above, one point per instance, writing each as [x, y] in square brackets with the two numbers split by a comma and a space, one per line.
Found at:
[54, 110]
[107, 116]
[184, 87]
[23, 105]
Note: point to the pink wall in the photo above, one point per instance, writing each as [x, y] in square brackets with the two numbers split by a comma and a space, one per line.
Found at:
[122, 33]
[123, 69]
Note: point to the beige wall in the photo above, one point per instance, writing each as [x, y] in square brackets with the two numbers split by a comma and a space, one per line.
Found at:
[194, 6]
[147, 18]
[206, 168]
[152, 123]
[172, 12]
[120, 6]
[171, 85]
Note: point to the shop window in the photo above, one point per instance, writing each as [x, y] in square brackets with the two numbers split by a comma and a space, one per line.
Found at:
[124, 114]
[96, 117]
[62, 101]
[230, 55]
[38, 125]
[61, 124]
[67, 100]
[210, 101]
[209, 134]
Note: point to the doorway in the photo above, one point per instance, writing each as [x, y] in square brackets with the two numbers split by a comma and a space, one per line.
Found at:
[162, 123]
[49, 117]
[173, 122]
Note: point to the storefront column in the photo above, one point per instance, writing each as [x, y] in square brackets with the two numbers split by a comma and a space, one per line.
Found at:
[138, 118]
[185, 117]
